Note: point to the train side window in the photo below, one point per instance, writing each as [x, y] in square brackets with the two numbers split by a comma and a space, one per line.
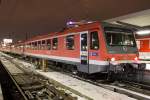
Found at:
[30, 45]
[55, 43]
[70, 42]
[94, 40]
[39, 45]
[43, 42]
[36, 45]
[27, 46]
[43, 45]
[48, 44]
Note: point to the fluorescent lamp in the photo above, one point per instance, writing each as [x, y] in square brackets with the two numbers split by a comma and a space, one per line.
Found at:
[143, 32]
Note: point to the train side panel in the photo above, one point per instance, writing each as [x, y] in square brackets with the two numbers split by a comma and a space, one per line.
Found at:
[144, 48]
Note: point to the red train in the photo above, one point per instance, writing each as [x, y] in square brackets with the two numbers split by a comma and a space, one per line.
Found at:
[91, 47]
[143, 44]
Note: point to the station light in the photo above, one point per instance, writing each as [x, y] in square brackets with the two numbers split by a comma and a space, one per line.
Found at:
[6, 41]
[143, 32]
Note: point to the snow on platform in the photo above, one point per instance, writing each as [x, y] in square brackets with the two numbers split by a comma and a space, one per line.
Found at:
[87, 89]
[11, 67]
[94, 92]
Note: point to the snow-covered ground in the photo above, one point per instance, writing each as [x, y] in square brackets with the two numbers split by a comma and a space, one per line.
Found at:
[86, 89]
[95, 92]
[31, 68]
[11, 67]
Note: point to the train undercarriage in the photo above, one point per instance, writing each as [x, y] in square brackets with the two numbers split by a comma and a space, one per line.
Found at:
[128, 72]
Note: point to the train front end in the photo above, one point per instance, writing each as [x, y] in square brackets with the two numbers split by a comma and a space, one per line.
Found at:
[122, 52]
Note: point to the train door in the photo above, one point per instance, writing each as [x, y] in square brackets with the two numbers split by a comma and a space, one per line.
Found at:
[84, 59]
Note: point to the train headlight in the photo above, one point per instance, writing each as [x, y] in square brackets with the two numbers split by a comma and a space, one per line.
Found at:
[113, 59]
[136, 58]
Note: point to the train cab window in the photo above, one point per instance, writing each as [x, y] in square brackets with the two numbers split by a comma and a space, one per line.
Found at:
[48, 44]
[55, 43]
[94, 40]
[70, 42]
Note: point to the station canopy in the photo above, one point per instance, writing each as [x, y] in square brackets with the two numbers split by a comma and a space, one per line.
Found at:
[138, 20]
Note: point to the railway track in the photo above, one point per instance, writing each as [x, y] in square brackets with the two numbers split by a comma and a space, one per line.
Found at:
[29, 86]
[132, 89]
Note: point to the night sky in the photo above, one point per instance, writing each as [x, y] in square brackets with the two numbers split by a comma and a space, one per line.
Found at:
[18, 17]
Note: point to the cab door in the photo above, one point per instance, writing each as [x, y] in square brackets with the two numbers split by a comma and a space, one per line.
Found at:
[84, 59]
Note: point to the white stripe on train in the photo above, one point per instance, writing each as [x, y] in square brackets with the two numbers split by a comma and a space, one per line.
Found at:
[95, 62]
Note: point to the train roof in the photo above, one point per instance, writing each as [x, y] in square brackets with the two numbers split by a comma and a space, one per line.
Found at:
[70, 30]
[85, 26]
[106, 24]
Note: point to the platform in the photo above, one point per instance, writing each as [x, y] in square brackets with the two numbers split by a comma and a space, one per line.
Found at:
[14, 70]
[11, 67]
[95, 92]
[87, 89]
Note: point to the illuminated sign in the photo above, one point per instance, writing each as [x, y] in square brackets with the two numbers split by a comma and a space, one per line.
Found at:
[7, 41]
